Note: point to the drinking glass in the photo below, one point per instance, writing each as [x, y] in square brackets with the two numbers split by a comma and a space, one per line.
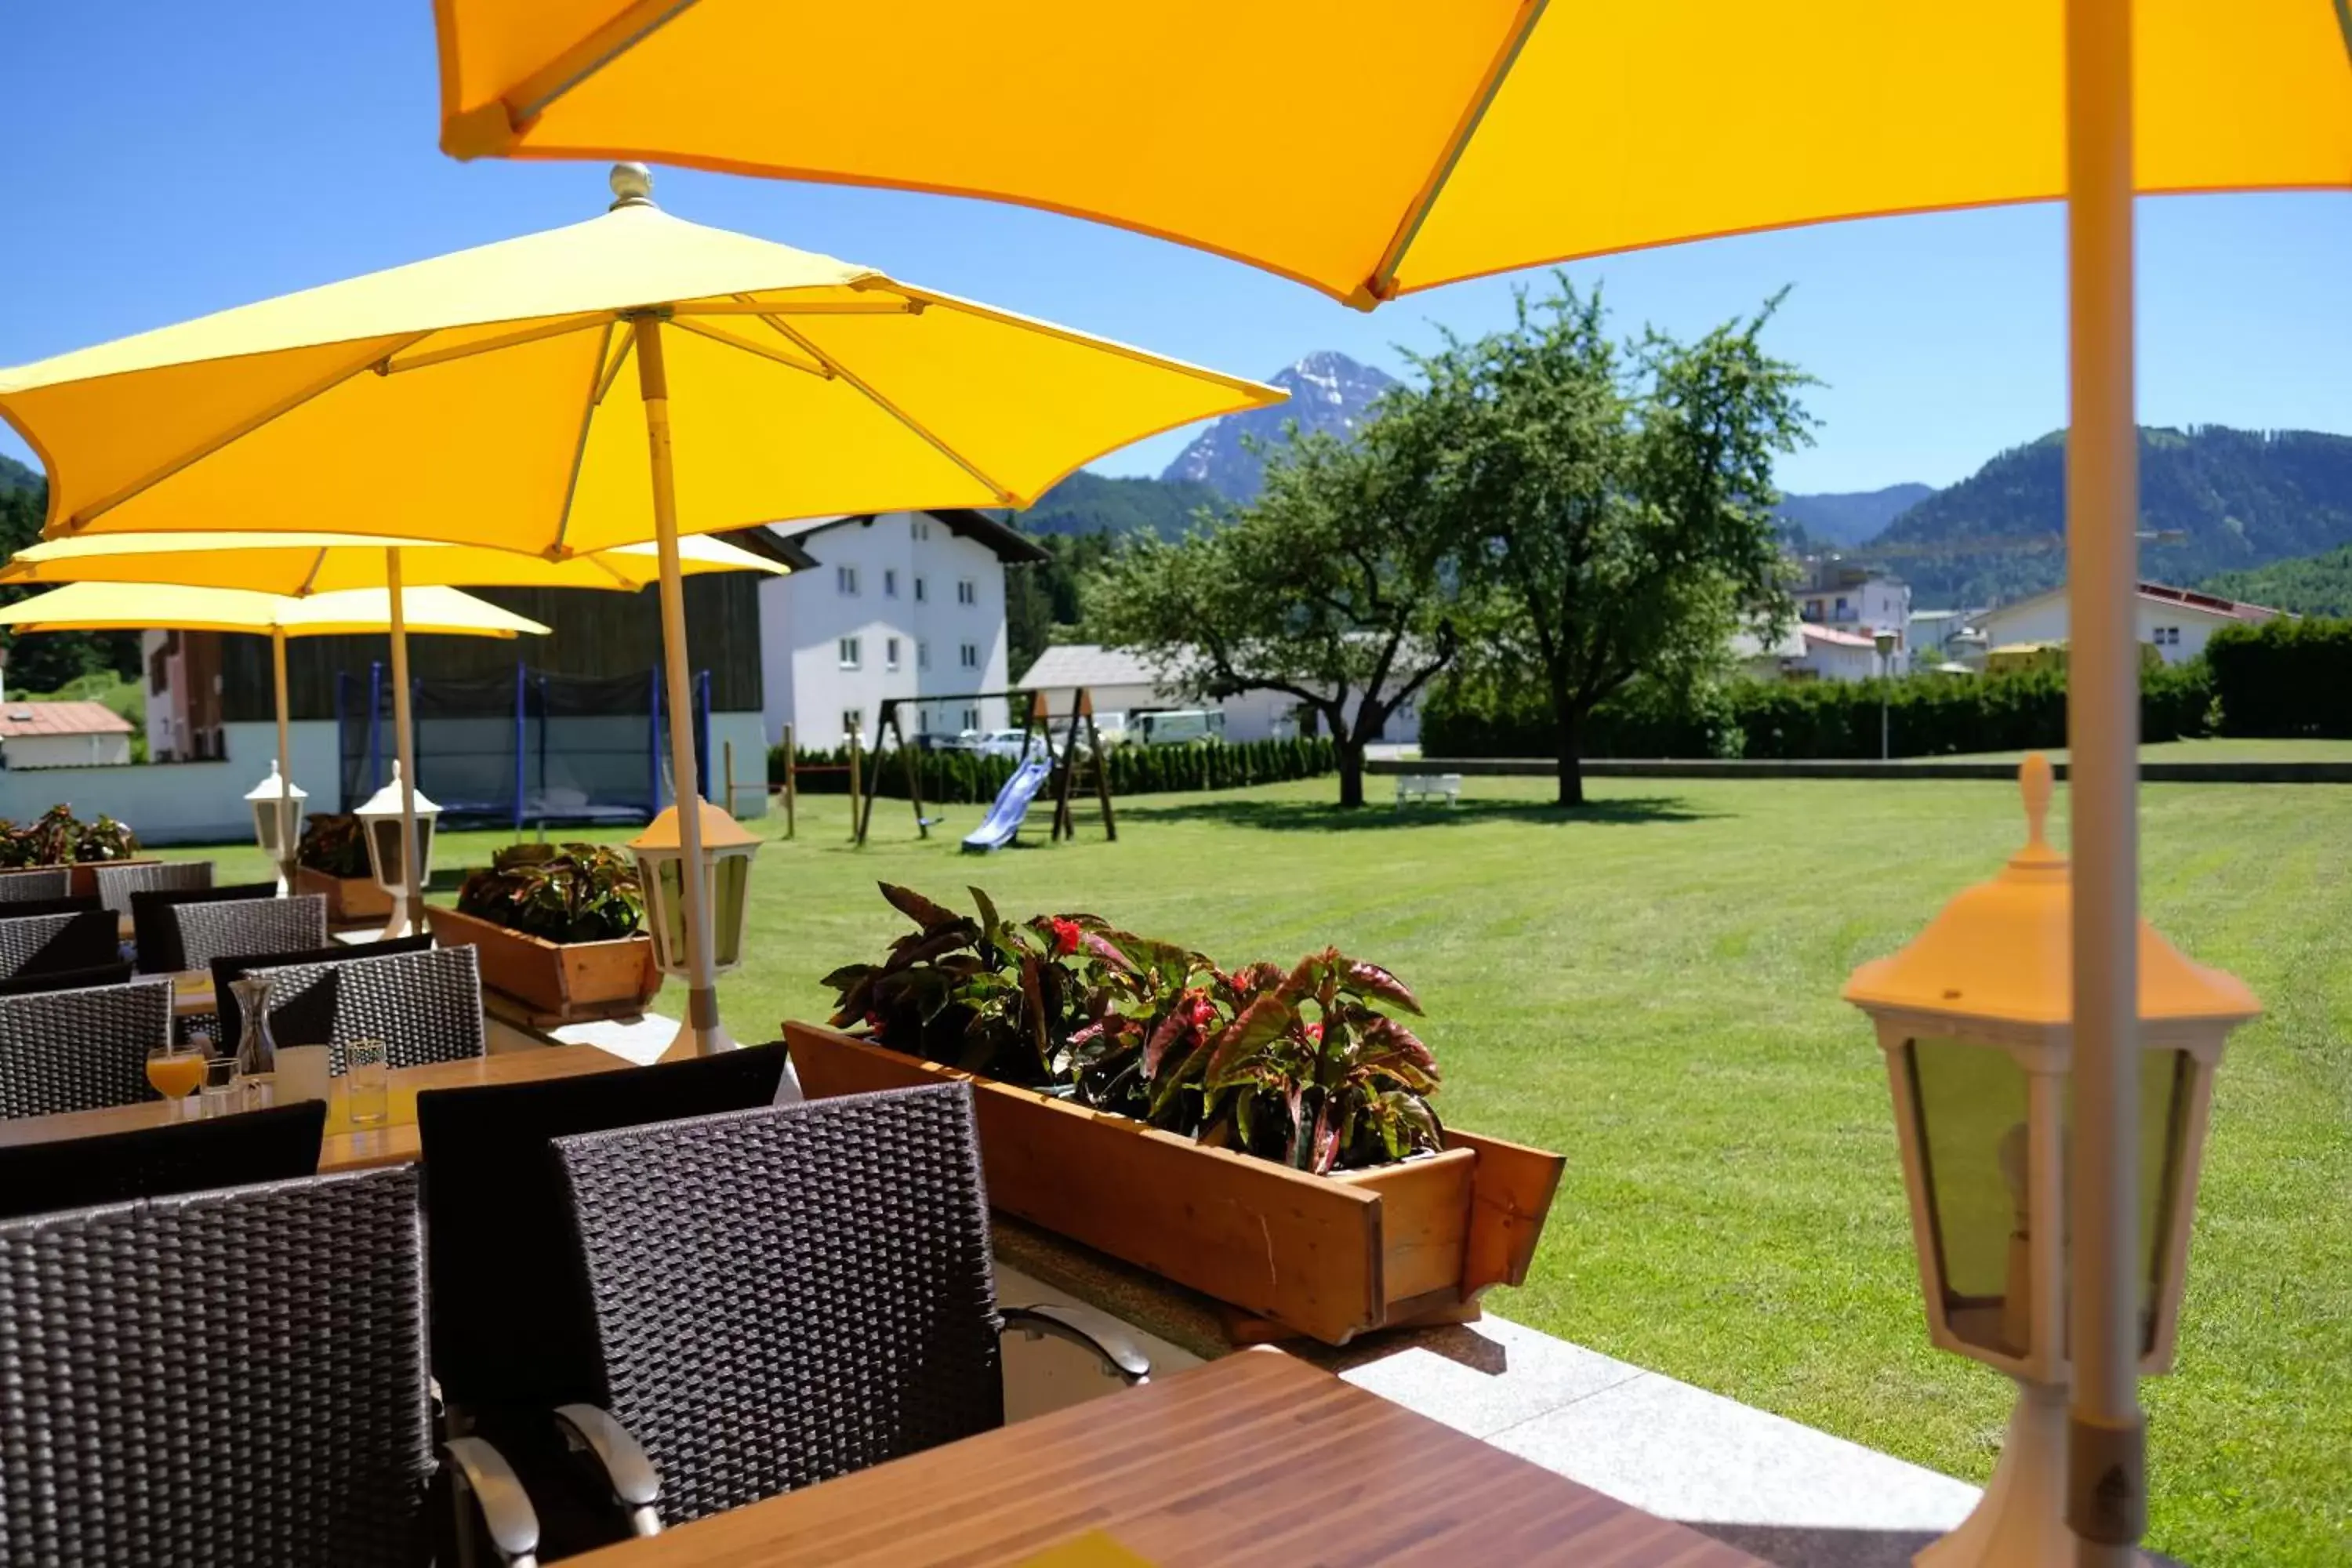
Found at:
[176, 1071]
[223, 1096]
[367, 1081]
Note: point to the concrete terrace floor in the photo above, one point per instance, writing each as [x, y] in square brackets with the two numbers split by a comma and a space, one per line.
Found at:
[1650, 985]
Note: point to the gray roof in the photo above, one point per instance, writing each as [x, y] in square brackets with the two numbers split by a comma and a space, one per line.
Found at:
[1068, 665]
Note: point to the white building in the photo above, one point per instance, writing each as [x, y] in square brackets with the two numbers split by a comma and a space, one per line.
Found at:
[1859, 600]
[1807, 652]
[901, 603]
[62, 735]
[1125, 683]
[2175, 621]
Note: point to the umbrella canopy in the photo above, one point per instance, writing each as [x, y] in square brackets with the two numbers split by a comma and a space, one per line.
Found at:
[136, 607]
[1504, 133]
[331, 563]
[481, 398]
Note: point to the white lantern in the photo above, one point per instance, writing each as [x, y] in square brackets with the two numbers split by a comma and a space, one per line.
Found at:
[380, 821]
[1975, 1017]
[726, 849]
[277, 822]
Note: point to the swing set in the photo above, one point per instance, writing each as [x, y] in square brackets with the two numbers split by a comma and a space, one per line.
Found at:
[1068, 761]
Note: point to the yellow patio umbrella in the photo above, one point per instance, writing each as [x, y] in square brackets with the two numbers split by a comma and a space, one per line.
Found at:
[480, 398]
[400, 577]
[1506, 134]
[1495, 133]
[138, 607]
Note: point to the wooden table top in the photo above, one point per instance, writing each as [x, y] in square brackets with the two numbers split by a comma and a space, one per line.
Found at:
[344, 1147]
[1257, 1458]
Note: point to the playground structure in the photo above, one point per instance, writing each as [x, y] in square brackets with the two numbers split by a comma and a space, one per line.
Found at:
[1060, 771]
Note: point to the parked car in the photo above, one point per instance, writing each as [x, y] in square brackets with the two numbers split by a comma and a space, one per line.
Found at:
[1008, 742]
[932, 741]
[1179, 726]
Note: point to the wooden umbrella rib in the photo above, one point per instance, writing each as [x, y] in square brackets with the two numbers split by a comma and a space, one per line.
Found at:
[611, 372]
[807, 367]
[1381, 284]
[599, 380]
[389, 365]
[907, 306]
[833, 363]
[231, 434]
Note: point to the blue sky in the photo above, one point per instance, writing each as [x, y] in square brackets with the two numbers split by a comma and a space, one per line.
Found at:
[163, 161]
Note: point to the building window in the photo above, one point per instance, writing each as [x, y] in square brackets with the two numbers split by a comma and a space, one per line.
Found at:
[972, 718]
[967, 590]
[920, 595]
[922, 531]
[971, 656]
[849, 652]
[844, 580]
[889, 653]
[2167, 637]
[890, 583]
[853, 721]
[922, 655]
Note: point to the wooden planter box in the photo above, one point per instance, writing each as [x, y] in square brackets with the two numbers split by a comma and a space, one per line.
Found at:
[557, 982]
[1328, 1257]
[350, 900]
[83, 883]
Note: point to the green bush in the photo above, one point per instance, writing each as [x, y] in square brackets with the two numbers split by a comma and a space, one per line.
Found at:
[2284, 677]
[965, 778]
[1925, 716]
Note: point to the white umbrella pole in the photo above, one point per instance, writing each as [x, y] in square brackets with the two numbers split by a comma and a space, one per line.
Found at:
[409, 906]
[2107, 1469]
[284, 765]
[702, 1035]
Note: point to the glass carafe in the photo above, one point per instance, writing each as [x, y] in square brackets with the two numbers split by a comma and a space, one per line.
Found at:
[257, 1052]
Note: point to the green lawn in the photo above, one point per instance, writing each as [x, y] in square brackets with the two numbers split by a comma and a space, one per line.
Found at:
[1651, 986]
[2215, 749]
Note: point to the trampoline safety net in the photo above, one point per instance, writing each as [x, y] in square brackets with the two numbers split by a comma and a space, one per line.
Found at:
[536, 747]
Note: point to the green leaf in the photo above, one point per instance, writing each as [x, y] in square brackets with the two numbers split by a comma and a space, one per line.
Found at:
[848, 974]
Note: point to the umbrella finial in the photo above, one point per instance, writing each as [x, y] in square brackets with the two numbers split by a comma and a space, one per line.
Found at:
[633, 186]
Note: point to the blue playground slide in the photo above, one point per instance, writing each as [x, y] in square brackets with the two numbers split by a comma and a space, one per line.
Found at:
[1003, 818]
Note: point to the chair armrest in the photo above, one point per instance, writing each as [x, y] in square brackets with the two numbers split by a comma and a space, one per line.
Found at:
[504, 1507]
[636, 1485]
[1088, 1329]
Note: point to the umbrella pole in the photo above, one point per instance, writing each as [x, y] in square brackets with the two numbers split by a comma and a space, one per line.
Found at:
[410, 904]
[2107, 1461]
[702, 1034]
[285, 764]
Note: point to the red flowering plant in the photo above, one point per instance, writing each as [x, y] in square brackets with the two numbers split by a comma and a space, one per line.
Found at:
[1301, 1065]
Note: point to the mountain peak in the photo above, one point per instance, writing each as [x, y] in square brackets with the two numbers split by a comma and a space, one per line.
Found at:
[1328, 392]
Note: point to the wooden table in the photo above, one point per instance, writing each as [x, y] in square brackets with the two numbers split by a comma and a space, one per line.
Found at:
[1254, 1460]
[344, 1147]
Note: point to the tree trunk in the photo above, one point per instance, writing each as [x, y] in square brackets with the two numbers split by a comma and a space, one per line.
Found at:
[1351, 771]
[1572, 765]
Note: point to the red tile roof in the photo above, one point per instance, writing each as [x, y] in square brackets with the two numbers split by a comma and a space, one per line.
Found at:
[60, 719]
[1832, 635]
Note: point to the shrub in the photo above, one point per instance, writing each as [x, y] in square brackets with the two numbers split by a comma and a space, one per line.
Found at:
[568, 892]
[57, 837]
[2284, 677]
[967, 778]
[332, 844]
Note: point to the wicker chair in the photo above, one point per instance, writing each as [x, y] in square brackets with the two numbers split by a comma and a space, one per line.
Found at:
[425, 1007]
[785, 1295]
[233, 1378]
[39, 944]
[273, 1145]
[249, 925]
[155, 932]
[24, 984]
[232, 1018]
[117, 883]
[81, 1050]
[47, 882]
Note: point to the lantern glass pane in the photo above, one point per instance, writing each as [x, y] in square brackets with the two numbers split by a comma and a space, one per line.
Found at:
[383, 850]
[731, 888]
[667, 914]
[2165, 1079]
[1971, 1120]
[264, 827]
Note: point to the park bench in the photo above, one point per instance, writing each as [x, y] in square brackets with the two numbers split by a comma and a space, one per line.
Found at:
[1421, 786]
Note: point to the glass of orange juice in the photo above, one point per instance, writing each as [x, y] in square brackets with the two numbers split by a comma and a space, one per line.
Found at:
[176, 1071]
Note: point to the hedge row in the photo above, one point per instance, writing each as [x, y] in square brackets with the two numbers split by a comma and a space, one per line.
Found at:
[1926, 716]
[2284, 677]
[965, 778]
